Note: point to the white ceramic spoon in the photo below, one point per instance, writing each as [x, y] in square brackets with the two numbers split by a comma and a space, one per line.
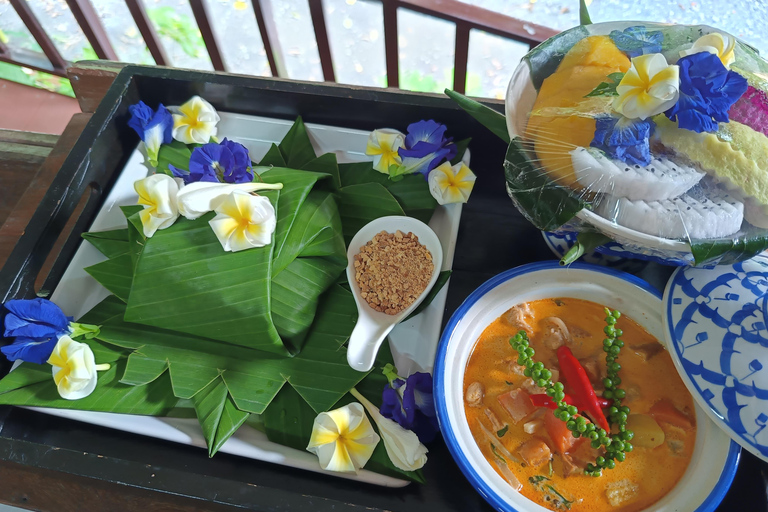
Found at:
[372, 326]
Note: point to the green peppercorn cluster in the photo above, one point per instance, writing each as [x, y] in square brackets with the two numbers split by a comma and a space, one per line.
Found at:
[616, 445]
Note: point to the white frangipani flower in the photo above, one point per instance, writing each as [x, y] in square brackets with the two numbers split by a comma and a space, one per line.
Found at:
[719, 44]
[343, 439]
[74, 368]
[650, 87]
[382, 146]
[451, 184]
[198, 198]
[403, 446]
[195, 121]
[244, 221]
[158, 195]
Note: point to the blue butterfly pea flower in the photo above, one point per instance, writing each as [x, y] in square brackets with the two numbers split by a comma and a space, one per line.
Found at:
[37, 325]
[226, 162]
[636, 41]
[30, 350]
[410, 403]
[35, 318]
[154, 127]
[425, 148]
[624, 139]
[707, 91]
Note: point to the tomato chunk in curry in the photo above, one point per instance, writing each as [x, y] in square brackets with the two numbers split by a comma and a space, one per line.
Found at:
[535, 452]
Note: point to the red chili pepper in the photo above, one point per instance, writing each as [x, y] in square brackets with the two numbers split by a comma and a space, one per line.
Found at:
[543, 400]
[578, 381]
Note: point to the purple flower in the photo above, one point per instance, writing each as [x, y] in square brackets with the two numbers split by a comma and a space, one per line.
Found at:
[36, 324]
[624, 139]
[226, 162]
[392, 403]
[410, 403]
[30, 350]
[425, 147]
[154, 128]
[636, 41]
[35, 318]
[707, 91]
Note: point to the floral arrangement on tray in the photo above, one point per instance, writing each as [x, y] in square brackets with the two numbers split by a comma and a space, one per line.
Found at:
[653, 136]
[229, 301]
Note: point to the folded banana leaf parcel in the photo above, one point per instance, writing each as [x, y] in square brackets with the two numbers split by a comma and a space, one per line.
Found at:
[257, 335]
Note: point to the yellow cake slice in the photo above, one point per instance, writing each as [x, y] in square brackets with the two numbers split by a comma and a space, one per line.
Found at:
[736, 156]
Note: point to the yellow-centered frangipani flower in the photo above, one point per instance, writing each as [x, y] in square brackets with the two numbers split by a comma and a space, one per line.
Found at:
[244, 221]
[650, 87]
[195, 121]
[719, 44]
[451, 184]
[158, 195]
[198, 198]
[343, 439]
[403, 446]
[74, 368]
[382, 146]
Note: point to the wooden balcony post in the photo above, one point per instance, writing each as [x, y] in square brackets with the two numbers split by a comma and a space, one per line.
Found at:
[38, 32]
[200, 11]
[460, 58]
[321, 36]
[91, 26]
[148, 32]
[268, 30]
[391, 48]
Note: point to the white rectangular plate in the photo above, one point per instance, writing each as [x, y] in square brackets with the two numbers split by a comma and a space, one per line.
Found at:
[413, 343]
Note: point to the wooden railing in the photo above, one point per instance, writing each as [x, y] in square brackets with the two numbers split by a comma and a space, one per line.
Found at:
[464, 16]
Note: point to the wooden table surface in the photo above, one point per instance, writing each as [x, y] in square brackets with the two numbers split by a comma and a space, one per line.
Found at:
[38, 488]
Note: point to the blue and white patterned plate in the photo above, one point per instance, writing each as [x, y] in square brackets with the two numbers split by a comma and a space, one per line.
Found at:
[560, 242]
[717, 333]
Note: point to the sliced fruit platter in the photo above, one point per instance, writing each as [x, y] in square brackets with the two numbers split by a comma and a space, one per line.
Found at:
[652, 135]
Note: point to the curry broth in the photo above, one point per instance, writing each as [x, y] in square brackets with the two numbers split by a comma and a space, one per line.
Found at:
[655, 471]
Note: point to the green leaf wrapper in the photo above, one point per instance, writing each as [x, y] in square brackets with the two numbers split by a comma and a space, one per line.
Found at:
[193, 330]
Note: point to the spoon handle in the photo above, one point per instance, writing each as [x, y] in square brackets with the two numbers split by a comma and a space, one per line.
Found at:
[364, 342]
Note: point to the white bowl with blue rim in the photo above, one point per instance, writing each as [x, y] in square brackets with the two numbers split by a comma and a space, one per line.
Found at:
[715, 456]
[717, 327]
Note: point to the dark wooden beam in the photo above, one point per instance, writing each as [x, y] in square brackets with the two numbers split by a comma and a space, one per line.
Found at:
[200, 10]
[39, 63]
[460, 58]
[321, 36]
[148, 32]
[268, 30]
[91, 26]
[390, 43]
[477, 17]
[38, 32]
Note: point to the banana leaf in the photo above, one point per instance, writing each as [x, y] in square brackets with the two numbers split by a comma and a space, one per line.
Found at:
[32, 385]
[547, 205]
[222, 333]
[218, 415]
[289, 422]
[491, 119]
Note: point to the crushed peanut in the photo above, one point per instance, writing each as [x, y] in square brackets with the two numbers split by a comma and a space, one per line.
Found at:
[392, 271]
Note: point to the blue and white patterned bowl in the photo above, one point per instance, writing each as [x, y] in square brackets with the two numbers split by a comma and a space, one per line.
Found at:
[560, 242]
[717, 327]
[713, 466]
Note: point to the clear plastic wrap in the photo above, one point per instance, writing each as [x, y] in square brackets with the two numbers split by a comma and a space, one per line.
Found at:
[650, 138]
